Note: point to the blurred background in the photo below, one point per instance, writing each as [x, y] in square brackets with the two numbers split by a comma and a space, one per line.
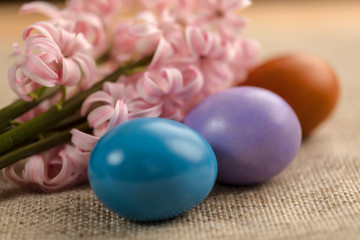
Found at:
[329, 28]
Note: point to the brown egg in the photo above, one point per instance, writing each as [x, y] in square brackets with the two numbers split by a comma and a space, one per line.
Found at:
[305, 81]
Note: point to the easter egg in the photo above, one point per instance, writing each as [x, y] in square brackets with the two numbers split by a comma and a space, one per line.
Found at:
[151, 169]
[305, 81]
[254, 133]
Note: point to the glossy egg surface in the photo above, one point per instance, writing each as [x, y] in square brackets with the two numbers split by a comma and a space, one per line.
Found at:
[254, 133]
[307, 82]
[152, 169]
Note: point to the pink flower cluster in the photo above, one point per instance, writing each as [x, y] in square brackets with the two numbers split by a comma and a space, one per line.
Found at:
[198, 49]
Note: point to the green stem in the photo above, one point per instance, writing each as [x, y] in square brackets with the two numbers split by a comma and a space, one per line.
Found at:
[68, 122]
[63, 97]
[39, 146]
[103, 58]
[10, 112]
[46, 120]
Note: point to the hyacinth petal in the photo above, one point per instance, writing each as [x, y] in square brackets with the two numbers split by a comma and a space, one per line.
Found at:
[148, 89]
[100, 115]
[62, 178]
[88, 67]
[84, 141]
[99, 96]
[213, 45]
[36, 70]
[34, 170]
[115, 90]
[12, 79]
[163, 52]
[236, 22]
[250, 49]
[71, 73]
[44, 45]
[145, 16]
[219, 70]
[93, 30]
[79, 159]
[174, 78]
[213, 4]
[144, 29]
[44, 28]
[237, 4]
[147, 45]
[42, 7]
[195, 40]
[141, 109]
[194, 86]
[10, 174]
[120, 114]
[47, 58]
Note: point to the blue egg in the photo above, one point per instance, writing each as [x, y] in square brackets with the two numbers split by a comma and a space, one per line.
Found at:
[151, 169]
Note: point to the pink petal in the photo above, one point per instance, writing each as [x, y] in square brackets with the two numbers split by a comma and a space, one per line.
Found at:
[100, 130]
[45, 8]
[79, 159]
[71, 73]
[213, 4]
[45, 45]
[115, 90]
[36, 70]
[10, 174]
[34, 170]
[174, 78]
[44, 28]
[146, 16]
[12, 79]
[147, 45]
[250, 49]
[100, 115]
[194, 86]
[195, 40]
[144, 29]
[220, 70]
[120, 115]
[88, 66]
[72, 43]
[236, 22]
[141, 109]
[237, 4]
[148, 89]
[84, 141]
[163, 52]
[99, 96]
[63, 178]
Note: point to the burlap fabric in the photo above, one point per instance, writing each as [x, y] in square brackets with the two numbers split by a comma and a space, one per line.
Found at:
[316, 197]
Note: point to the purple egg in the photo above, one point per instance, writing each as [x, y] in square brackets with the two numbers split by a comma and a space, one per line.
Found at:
[254, 133]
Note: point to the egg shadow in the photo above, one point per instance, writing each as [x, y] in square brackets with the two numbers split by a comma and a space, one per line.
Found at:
[225, 188]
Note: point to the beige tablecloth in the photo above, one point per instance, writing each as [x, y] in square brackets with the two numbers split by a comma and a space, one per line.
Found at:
[316, 197]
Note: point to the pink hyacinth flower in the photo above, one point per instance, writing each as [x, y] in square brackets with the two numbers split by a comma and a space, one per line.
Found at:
[152, 29]
[85, 142]
[170, 89]
[223, 14]
[52, 57]
[211, 54]
[246, 55]
[124, 46]
[55, 170]
[89, 24]
[103, 8]
[120, 102]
